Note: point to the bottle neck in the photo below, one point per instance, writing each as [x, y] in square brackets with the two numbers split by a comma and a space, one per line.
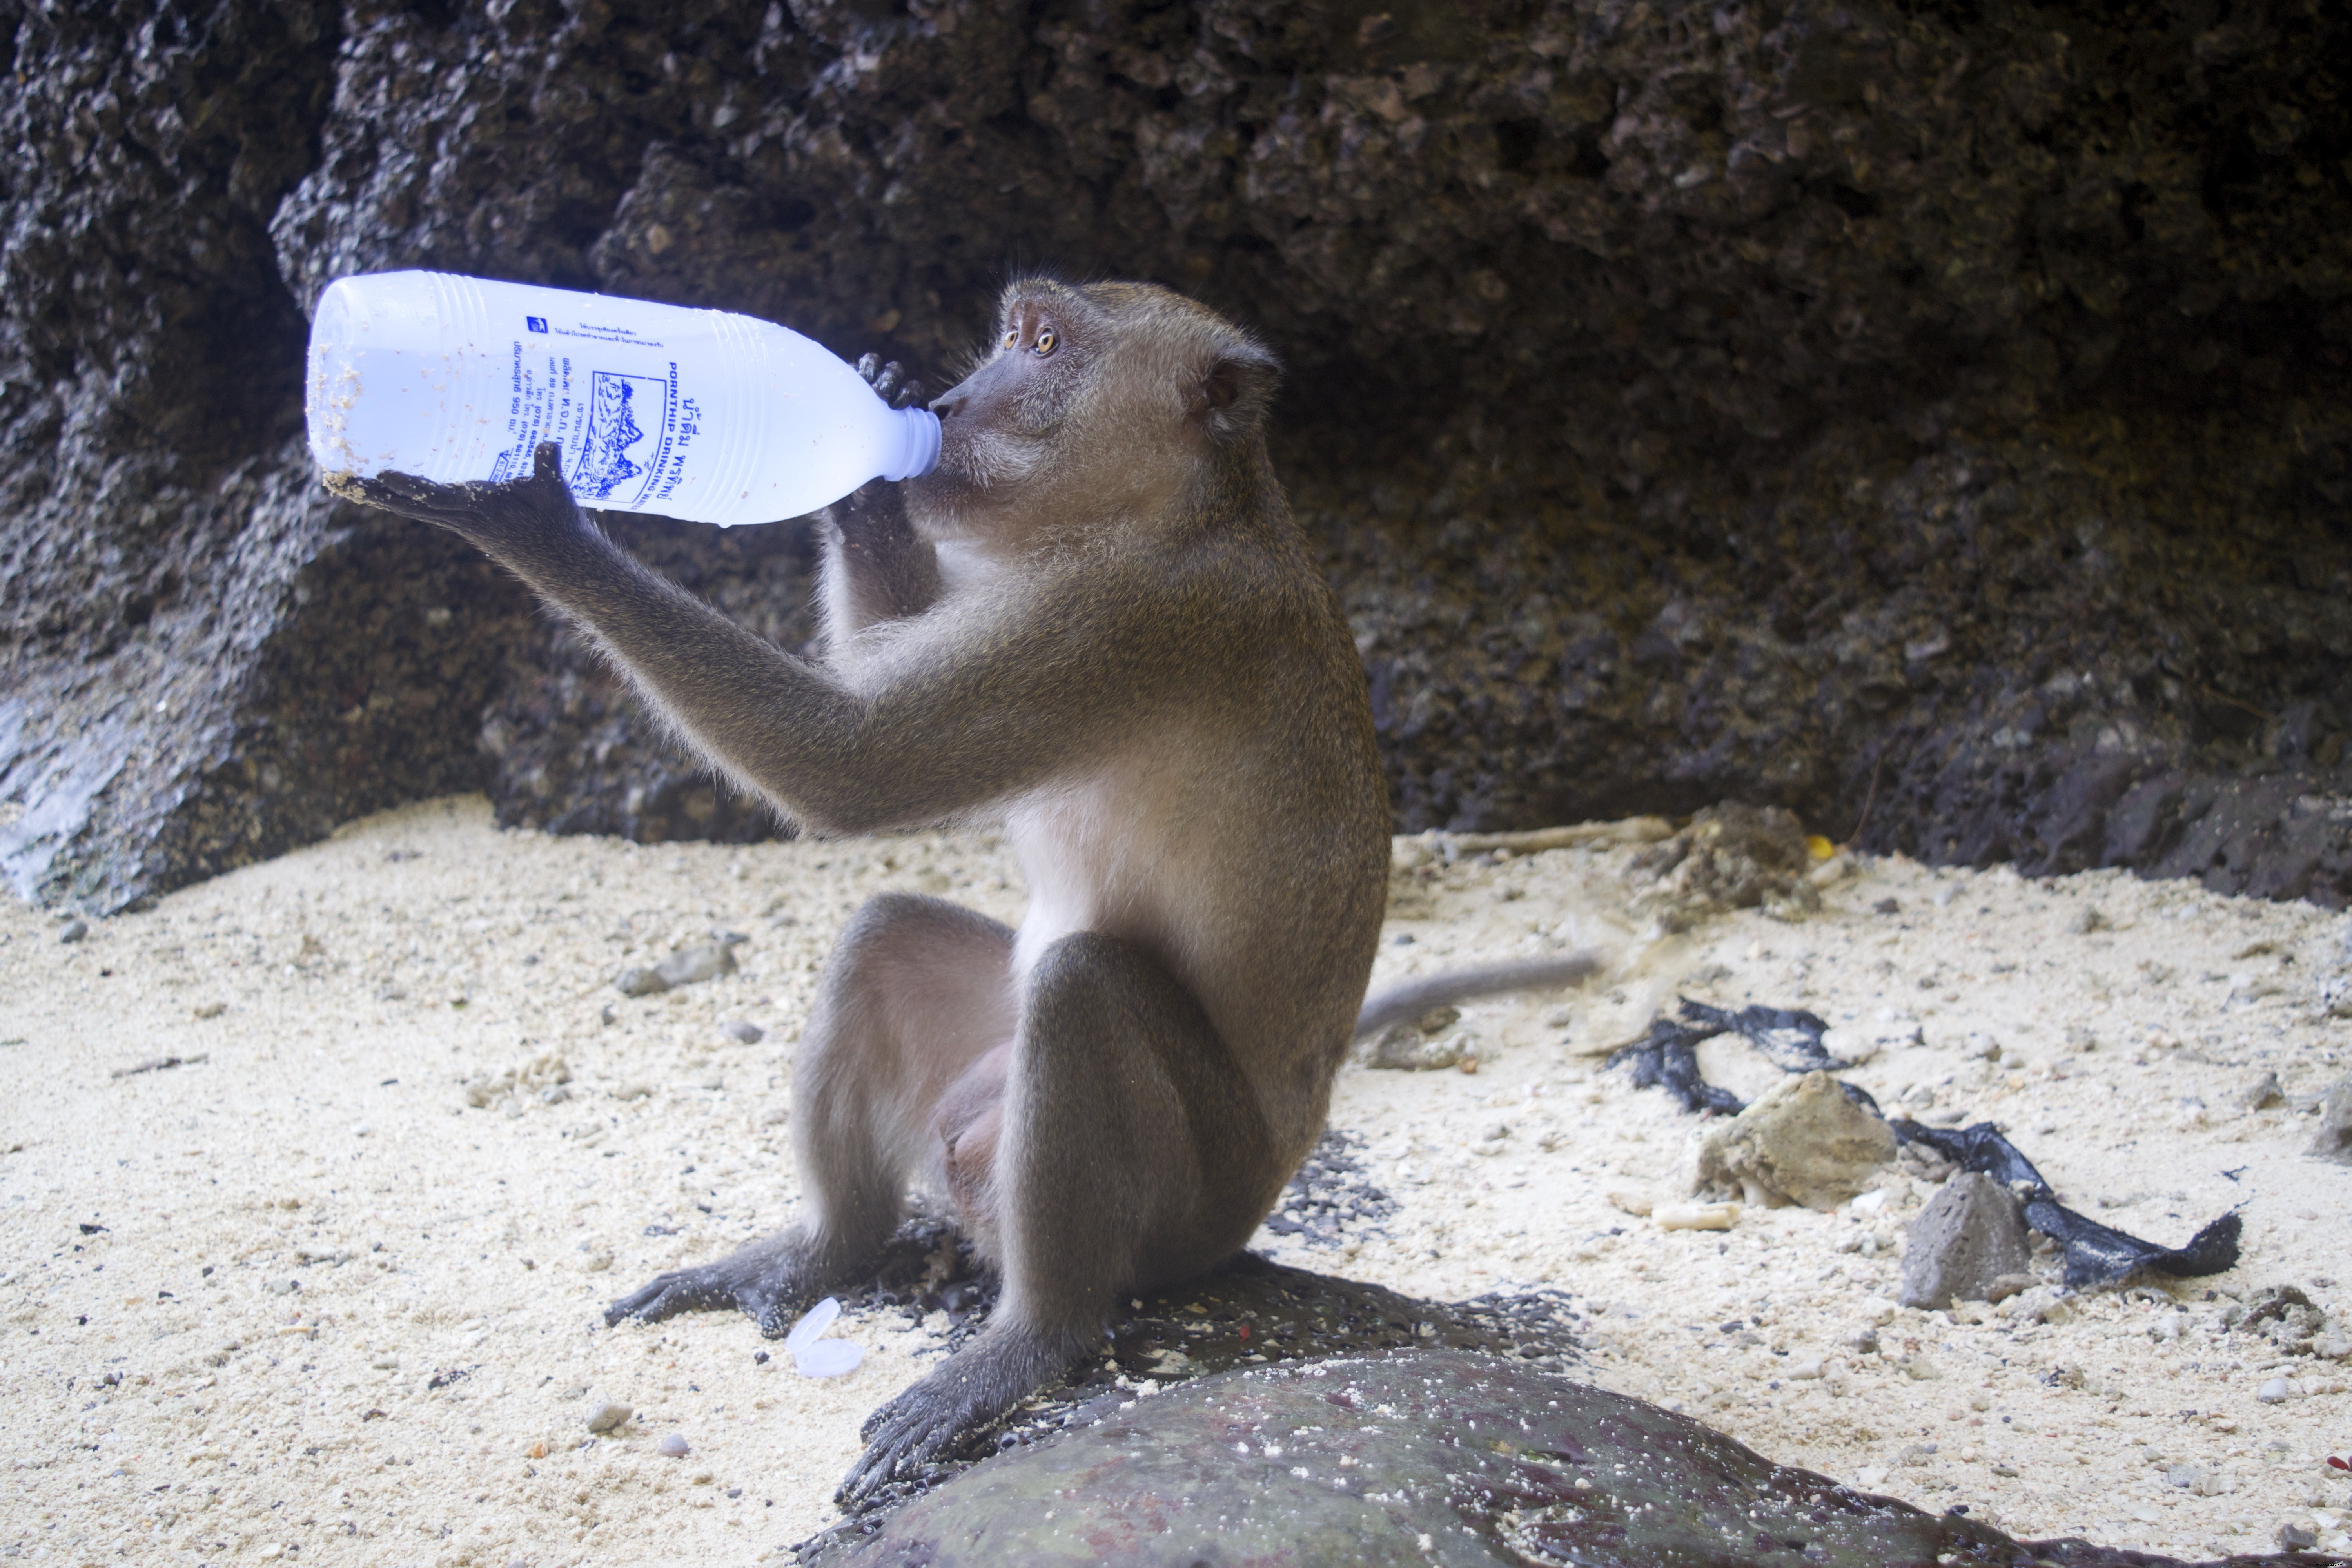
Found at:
[919, 450]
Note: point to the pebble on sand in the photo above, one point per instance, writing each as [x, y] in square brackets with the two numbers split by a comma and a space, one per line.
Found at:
[1404, 1047]
[73, 930]
[1801, 1141]
[687, 966]
[2334, 1141]
[747, 1034]
[674, 1446]
[638, 981]
[1970, 1235]
[2272, 1391]
[608, 1416]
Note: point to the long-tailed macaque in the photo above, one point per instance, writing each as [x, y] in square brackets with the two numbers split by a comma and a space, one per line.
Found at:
[1097, 625]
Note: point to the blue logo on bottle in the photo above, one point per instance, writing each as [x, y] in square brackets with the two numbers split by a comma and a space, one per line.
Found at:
[536, 323]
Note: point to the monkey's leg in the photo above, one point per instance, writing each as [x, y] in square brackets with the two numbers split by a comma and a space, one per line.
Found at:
[916, 992]
[1132, 1153]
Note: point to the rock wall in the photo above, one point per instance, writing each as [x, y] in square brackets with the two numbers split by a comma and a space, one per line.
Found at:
[1928, 416]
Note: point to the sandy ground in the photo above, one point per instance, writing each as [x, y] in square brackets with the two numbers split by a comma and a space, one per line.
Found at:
[296, 1299]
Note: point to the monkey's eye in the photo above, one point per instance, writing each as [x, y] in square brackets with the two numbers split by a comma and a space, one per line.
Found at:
[1012, 338]
[1045, 343]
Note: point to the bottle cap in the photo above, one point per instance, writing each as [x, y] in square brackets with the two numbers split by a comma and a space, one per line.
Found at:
[919, 452]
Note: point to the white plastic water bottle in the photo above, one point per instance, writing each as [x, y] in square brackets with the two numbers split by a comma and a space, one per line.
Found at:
[700, 415]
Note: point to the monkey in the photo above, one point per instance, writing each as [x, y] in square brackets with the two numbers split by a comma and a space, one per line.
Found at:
[1097, 625]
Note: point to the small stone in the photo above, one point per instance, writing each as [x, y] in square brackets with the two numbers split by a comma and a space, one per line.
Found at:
[1801, 1141]
[1695, 1216]
[555, 1094]
[2040, 1304]
[606, 1017]
[636, 981]
[210, 1009]
[693, 965]
[2202, 1480]
[2088, 921]
[746, 1034]
[1969, 1237]
[1437, 1020]
[1403, 1048]
[73, 930]
[2292, 1537]
[2334, 1141]
[608, 1416]
[2272, 1393]
[2264, 1091]
[2009, 1284]
[674, 1446]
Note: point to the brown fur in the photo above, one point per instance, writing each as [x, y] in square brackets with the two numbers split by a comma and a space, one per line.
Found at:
[1097, 625]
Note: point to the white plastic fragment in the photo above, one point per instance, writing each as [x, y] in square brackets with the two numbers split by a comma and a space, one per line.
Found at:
[821, 1358]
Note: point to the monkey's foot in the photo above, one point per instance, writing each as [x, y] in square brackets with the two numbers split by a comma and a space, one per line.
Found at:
[771, 1280]
[975, 1386]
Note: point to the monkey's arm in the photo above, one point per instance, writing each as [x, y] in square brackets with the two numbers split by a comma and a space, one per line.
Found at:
[996, 705]
[875, 568]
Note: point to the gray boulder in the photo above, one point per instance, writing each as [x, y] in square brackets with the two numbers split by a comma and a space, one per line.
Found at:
[1448, 1458]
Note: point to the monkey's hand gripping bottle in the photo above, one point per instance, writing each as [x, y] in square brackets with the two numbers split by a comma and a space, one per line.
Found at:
[699, 415]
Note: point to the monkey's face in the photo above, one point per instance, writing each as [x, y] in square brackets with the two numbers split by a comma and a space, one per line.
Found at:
[1090, 404]
[1001, 427]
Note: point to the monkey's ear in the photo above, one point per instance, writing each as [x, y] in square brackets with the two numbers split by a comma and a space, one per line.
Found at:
[1233, 387]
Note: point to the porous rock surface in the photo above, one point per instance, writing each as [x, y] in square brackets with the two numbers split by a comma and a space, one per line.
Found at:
[1930, 419]
[1801, 1141]
[1969, 1235]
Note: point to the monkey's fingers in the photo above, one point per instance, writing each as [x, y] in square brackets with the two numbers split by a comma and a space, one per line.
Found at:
[685, 1290]
[454, 506]
[890, 382]
[448, 505]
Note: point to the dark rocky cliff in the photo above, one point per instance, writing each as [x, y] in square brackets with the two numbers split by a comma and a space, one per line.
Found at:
[1930, 416]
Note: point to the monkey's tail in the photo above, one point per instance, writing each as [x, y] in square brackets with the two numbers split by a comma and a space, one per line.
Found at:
[1415, 997]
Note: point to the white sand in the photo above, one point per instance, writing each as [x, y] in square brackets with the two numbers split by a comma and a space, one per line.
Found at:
[168, 1398]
